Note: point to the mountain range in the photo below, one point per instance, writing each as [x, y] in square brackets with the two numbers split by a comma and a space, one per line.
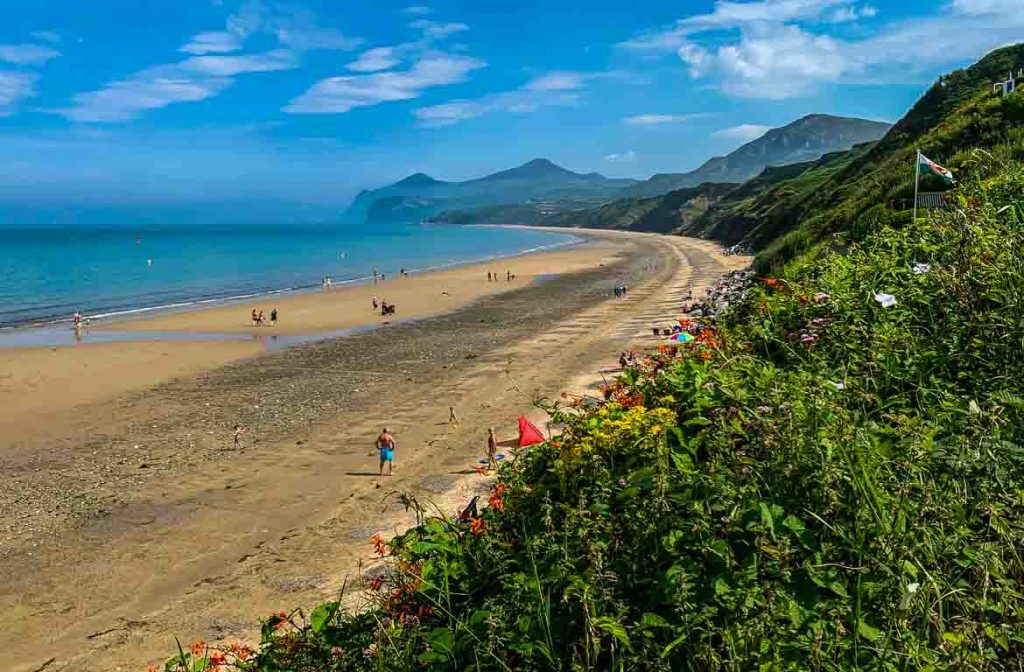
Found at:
[541, 187]
[806, 139]
[539, 180]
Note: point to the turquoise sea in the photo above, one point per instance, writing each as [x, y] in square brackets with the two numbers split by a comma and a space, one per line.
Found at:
[47, 275]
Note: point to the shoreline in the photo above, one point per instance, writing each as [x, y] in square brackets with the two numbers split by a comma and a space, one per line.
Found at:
[212, 301]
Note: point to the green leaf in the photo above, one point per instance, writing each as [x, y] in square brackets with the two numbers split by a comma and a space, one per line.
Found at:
[649, 620]
[613, 628]
[322, 615]
[766, 519]
[998, 637]
[868, 632]
[799, 530]
[442, 640]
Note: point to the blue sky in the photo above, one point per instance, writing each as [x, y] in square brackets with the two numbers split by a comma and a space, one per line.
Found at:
[159, 104]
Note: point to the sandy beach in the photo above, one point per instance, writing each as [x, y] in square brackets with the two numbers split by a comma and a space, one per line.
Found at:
[128, 519]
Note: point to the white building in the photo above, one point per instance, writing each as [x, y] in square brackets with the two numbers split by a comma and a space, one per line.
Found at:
[1010, 85]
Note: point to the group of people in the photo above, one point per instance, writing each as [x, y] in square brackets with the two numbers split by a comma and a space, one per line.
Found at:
[260, 320]
[493, 277]
[383, 306]
[620, 291]
[385, 445]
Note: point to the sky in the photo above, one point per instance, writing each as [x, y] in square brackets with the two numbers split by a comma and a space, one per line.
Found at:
[260, 106]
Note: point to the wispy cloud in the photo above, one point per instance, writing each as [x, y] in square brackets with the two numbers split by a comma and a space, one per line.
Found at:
[745, 132]
[214, 64]
[658, 119]
[417, 10]
[15, 86]
[776, 49]
[437, 30]
[373, 60]
[27, 54]
[628, 156]
[214, 42]
[335, 95]
[556, 88]
[427, 65]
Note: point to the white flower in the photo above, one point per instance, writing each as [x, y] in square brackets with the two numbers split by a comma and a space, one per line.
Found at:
[838, 386]
[922, 268]
[885, 300]
[908, 594]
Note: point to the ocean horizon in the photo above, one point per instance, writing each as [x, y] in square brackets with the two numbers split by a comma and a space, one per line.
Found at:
[47, 275]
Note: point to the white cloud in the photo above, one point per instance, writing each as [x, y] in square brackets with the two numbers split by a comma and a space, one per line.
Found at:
[341, 94]
[628, 156]
[745, 132]
[214, 42]
[729, 15]
[657, 119]
[436, 30]
[191, 80]
[214, 63]
[556, 88]
[27, 54]
[983, 7]
[378, 58]
[773, 49]
[15, 86]
[559, 80]
[779, 62]
[417, 10]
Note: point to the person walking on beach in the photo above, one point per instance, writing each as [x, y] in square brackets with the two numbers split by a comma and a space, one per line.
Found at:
[255, 318]
[236, 437]
[452, 418]
[488, 276]
[260, 319]
[376, 304]
[273, 317]
[386, 449]
[492, 449]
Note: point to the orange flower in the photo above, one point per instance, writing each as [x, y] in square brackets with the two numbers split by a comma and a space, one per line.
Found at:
[379, 545]
[217, 659]
[282, 619]
[197, 647]
[705, 356]
[477, 526]
[376, 582]
[151, 668]
[773, 283]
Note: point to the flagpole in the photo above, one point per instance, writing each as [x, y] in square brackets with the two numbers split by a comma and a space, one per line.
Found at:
[917, 178]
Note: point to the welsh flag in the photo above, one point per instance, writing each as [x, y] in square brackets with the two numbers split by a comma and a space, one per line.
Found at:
[927, 165]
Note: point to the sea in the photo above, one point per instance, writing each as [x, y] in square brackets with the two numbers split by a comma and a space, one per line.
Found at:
[106, 273]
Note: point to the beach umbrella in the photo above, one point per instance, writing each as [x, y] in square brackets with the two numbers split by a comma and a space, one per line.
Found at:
[682, 337]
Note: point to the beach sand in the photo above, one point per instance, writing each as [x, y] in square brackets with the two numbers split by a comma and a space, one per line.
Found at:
[144, 525]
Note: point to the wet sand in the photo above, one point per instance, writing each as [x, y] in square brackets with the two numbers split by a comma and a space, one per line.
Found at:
[144, 524]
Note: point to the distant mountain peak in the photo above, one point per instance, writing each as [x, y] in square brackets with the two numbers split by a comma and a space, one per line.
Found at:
[418, 180]
[532, 169]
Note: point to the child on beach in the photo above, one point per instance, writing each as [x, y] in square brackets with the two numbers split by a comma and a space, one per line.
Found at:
[386, 449]
[236, 436]
[452, 418]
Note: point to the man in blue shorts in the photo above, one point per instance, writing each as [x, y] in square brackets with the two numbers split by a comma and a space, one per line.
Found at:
[386, 447]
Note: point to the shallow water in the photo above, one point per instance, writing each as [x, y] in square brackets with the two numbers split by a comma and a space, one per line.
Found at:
[46, 275]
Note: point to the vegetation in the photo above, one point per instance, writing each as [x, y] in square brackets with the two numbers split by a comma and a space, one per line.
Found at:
[824, 482]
